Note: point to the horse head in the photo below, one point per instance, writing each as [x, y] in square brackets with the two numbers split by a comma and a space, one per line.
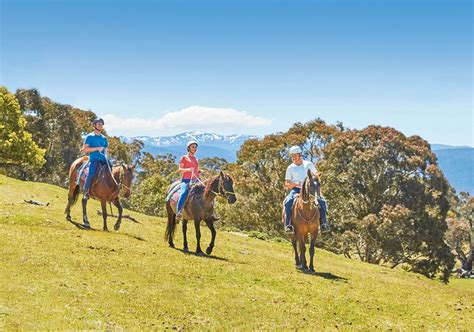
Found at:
[126, 177]
[222, 185]
[311, 188]
[226, 188]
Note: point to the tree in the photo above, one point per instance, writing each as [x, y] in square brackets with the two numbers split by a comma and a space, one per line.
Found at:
[54, 128]
[460, 231]
[17, 147]
[387, 199]
[125, 152]
[157, 173]
[259, 175]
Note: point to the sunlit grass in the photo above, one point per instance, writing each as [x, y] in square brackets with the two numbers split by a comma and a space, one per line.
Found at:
[56, 276]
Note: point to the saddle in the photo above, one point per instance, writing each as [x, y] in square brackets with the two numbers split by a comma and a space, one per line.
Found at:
[83, 172]
[175, 191]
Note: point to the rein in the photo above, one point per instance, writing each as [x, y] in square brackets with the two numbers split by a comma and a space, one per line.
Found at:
[119, 184]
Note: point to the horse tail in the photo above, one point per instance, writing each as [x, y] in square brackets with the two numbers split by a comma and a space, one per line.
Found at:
[171, 225]
[75, 195]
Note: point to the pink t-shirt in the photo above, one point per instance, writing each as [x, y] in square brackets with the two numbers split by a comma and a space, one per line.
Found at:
[189, 162]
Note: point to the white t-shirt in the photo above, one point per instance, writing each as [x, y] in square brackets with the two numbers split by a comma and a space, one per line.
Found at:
[297, 174]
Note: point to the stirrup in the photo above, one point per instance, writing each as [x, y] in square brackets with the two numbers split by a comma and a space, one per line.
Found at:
[289, 229]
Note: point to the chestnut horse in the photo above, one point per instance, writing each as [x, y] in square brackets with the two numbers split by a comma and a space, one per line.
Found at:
[107, 185]
[305, 220]
[199, 206]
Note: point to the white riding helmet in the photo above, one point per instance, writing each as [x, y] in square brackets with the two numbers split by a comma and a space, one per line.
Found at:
[295, 149]
[191, 142]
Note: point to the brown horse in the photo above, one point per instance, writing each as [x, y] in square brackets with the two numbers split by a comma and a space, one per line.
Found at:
[199, 206]
[107, 185]
[305, 220]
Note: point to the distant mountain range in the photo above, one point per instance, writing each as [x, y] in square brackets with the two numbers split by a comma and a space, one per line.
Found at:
[457, 162]
[210, 145]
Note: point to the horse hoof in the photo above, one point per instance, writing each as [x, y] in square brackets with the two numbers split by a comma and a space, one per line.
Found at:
[117, 227]
[199, 253]
[68, 218]
[105, 229]
[186, 250]
[171, 245]
[312, 271]
[298, 267]
[208, 250]
[87, 226]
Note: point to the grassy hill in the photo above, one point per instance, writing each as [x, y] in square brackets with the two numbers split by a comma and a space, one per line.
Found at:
[56, 276]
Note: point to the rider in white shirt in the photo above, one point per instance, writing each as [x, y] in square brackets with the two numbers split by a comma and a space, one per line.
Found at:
[294, 177]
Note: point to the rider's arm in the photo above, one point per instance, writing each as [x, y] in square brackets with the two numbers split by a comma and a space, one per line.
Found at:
[182, 169]
[87, 149]
[290, 184]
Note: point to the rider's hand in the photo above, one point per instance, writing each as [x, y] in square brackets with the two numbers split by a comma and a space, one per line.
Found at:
[100, 148]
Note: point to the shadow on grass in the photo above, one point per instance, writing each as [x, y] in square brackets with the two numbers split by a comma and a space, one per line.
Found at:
[203, 255]
[325, 275]
[83, 227]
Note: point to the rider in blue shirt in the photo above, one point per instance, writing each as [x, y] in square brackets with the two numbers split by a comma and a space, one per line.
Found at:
[95, 144]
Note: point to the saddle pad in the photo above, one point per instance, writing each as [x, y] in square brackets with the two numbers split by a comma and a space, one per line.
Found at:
[82, 172]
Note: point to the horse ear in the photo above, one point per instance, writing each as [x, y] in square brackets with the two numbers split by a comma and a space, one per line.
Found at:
[310, 174]
[221, 174]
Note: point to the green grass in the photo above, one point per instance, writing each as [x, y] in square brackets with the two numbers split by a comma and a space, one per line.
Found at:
[55, 276]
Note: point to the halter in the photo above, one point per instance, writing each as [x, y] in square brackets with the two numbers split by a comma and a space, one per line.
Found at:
[221, 188]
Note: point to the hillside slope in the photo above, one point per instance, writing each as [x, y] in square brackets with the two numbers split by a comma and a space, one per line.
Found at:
[56, 276]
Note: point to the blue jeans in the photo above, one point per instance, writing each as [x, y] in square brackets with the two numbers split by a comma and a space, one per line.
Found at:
[92, 167]
[183, 194]
[289, 204]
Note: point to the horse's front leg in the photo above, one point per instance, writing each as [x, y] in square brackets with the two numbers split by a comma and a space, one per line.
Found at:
[84, 214]
[197, 226]
[210, 224]
[116, 202]
[295, 249]
[103, 203]
[311, 251]
[185, 237]
[304, 267]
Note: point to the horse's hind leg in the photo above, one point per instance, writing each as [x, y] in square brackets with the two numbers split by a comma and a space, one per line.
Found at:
[84, 214]
[120, 210]
[104, 214]
[197, 225]
[210, 224]
[295, 249]
[185, 237]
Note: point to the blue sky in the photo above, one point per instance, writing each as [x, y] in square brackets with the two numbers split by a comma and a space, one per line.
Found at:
[255, 67]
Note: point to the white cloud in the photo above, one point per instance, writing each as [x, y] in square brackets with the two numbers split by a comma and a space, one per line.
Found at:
[193, 118]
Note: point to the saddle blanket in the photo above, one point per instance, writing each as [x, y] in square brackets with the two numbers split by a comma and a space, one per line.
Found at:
[82, 172]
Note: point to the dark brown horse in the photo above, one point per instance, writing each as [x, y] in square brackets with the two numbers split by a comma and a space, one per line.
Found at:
[107, 185]
[199, 206]
[305, 220]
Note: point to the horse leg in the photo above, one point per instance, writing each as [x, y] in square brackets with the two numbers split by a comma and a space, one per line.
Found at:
[197, 225]
[104, 214]
[311, 252]
[68, 208]
[84, 214]
[210, 224]
[304, 267]
[185, 237]
[297, 259]
[120, 210]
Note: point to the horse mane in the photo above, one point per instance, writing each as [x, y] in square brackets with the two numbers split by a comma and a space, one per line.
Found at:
[209, 184]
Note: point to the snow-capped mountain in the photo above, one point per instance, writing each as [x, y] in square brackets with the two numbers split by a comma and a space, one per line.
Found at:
[210, 144]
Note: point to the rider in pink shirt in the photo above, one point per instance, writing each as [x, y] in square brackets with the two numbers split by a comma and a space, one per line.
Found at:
[189, 167]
